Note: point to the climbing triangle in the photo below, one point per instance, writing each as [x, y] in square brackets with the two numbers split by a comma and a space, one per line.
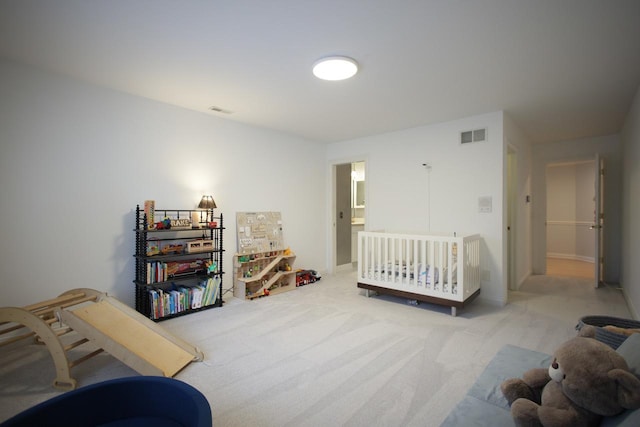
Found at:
[104, 321]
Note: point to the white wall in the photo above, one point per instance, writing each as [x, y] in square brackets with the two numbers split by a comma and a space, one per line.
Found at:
[579, 150]
[75, 159]
[402, 196]
[630, 277]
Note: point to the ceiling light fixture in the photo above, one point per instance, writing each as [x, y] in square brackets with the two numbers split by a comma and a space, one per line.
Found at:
[335, 68]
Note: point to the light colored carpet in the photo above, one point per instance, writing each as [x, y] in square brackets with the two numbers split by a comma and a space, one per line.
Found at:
[325, 355]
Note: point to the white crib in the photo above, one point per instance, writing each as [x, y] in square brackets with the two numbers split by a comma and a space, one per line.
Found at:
[435, 268]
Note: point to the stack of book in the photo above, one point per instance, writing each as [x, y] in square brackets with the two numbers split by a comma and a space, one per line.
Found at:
[156, 272]
[182, 298]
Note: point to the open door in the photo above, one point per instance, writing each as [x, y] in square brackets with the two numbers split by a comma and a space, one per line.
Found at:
[343, 214]
[598, 221]
[348, 211]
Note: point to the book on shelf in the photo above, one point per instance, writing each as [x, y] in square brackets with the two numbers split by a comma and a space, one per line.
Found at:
[161, 271]
[176, 305]
[216, 289]
[196, 296]
[211, 291]
[181, 298]
[157, 271]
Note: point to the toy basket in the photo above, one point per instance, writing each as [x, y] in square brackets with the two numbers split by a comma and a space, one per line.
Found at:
[612, 339]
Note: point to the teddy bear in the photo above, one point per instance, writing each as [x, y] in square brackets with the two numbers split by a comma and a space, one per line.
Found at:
[586, 380]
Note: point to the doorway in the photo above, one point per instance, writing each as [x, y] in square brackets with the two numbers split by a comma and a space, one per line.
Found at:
[349, 212]
[571, 198]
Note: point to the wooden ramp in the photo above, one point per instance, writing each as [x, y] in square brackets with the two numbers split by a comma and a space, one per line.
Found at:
[130, 337]
[102, 320]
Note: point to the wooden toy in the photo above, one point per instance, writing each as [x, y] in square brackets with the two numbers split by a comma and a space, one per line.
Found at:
[103, 321]
[172, 249]
[199, 246]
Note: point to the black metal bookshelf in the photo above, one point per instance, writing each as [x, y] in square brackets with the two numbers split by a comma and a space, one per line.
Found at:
[183, 285]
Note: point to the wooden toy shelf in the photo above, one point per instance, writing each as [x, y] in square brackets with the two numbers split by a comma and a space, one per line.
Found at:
[263, 274]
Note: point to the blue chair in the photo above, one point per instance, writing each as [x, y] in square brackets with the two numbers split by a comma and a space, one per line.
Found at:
[123, 402]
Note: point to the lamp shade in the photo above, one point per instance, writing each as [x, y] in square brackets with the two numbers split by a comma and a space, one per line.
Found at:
[207, 202]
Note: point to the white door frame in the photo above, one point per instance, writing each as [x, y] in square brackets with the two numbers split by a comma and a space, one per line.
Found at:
[512, 216]
[598, 220]
[561, 162]
[331, 205]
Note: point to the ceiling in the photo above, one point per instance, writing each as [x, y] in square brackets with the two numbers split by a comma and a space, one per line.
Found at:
[562, 69]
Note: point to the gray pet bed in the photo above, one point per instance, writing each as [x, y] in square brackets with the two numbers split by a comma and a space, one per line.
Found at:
[612, 339]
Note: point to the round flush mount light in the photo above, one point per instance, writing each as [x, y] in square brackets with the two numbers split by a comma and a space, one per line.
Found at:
[335, 68]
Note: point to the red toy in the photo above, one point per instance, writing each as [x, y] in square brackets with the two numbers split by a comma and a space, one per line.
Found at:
[165, 224]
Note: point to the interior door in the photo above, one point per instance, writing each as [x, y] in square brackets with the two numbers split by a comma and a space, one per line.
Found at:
[343, 214]
[598, 221]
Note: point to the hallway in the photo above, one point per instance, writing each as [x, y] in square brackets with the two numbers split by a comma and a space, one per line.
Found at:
[569, 268]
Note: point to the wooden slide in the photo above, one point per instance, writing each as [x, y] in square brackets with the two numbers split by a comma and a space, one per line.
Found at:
[102, 320]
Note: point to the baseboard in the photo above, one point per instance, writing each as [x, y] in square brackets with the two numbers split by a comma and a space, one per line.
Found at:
[522, 280]
[572, 257]
[632, 309]
[491, 301]
[343, 268]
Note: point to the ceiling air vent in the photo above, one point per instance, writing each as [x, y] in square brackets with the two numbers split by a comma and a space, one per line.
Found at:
[477, 135]
[220, 110]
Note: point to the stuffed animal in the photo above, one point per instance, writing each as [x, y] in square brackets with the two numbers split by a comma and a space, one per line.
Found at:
[586, 380]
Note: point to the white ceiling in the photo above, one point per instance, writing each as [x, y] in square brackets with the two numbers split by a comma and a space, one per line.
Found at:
[562, 69]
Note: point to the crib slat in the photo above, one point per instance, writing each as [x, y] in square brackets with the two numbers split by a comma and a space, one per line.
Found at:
[439, 271]
[378, 264]
[468, 274]
[360, 264]
[450, 279]
[433, 264]
[367, 251]
[406, 261]
[413, 264]
[423, 263]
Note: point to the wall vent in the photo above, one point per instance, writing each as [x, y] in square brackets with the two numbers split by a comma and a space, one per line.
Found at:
[476, 135]
[220, 110]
